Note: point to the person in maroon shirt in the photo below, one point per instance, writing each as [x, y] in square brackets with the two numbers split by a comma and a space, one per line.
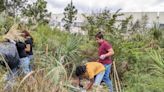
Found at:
[105, 52]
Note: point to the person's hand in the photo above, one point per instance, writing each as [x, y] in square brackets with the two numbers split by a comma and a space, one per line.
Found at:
[102, 57]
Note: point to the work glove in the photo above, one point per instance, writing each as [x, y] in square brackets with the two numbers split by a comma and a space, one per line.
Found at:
[102, 57]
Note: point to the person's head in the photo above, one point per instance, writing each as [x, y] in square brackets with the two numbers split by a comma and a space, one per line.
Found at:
[99, 37]
[80, 70]
[26, 34]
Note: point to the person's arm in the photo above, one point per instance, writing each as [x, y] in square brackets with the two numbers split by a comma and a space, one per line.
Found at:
[110, 52]
[28, 45]
[79, 82]
[27, 49]
[20, 45]
[90, 84]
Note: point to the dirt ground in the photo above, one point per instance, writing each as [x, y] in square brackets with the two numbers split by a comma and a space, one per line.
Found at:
[101, 88]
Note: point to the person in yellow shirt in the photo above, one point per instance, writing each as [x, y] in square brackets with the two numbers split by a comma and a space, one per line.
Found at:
[94, 71]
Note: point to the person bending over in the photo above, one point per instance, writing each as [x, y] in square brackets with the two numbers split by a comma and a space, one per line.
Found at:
[94, 71]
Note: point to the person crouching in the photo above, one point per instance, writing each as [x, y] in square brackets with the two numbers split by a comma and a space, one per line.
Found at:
[94, 71]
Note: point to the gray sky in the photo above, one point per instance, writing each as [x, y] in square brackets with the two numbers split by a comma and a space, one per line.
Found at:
[85, 6]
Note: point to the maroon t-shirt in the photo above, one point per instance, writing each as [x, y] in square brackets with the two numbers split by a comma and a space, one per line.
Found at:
[103, 49]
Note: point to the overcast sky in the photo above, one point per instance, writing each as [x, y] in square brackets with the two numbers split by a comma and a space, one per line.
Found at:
[85, 6]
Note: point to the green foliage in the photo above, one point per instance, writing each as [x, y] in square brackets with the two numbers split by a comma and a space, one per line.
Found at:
[139, 26]
[144, 21]
[144, 83]
[136, 26]
[88, 49]
[156, 32]
[135, 50]
[64, 46]
[161, 41]
[65, 51]
[124, 24]
[5, 23]
[69, 15]
[158, 67]
[14, 6]
[57, 53]
[2, 6]
[101, 21]
[37, 12]
[143, 75]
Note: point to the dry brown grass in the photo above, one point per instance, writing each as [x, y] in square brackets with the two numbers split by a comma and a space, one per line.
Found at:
[14, 34]
[36, 82]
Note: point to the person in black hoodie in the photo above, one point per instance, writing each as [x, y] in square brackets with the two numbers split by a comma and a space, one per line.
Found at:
[29, 44]
[24, 60]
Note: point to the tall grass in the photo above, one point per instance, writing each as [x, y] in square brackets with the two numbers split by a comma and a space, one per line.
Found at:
[57, 54]
[158, 66]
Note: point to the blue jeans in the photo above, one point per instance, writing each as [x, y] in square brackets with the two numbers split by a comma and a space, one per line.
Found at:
[30, 57]
[99, 78]
[24, 65]
[106, 78]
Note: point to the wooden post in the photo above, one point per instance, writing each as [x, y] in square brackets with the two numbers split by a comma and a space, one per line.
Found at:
[117, 78]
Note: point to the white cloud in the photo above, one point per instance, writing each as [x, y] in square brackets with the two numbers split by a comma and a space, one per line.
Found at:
[57, 6]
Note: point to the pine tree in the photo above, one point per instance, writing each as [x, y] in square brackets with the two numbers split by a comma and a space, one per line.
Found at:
[69, 15]
[37, 12]
[144, 22]
[125, 23]
[14, 7]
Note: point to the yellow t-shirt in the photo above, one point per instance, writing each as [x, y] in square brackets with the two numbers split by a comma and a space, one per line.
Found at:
[93, 68]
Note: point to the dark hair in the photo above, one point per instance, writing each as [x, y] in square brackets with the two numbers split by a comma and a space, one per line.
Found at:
[99, 35]
[26, 33]
[80, 70]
